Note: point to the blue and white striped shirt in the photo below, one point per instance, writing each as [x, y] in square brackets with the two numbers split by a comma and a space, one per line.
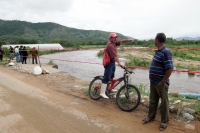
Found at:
[161, 61]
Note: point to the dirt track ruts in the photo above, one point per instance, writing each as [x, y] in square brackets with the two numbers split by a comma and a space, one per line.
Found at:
[45, 104]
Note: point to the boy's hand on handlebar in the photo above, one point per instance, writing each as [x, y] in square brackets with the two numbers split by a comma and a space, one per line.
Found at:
[122, 66]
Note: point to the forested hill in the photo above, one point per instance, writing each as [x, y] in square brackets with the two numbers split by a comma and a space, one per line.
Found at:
[15, 31]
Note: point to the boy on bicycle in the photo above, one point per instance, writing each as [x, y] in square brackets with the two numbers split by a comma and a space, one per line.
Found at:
[109, 71]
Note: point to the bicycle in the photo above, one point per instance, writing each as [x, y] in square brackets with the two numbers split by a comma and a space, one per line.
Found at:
[127, 97]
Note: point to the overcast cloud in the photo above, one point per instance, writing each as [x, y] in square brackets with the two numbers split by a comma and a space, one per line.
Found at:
[140, 19]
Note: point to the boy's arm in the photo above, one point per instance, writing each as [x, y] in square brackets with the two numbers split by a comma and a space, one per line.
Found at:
[125, 41]
[118, 62]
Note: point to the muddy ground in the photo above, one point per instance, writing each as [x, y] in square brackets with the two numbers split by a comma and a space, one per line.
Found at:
[57, 103]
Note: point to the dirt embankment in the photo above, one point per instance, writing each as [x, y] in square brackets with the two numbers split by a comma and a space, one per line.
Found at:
[56, 103]
[145, 55]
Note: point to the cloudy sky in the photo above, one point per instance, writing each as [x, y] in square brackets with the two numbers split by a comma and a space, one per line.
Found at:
[140, 19]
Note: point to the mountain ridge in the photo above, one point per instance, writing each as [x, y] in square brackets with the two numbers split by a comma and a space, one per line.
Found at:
[12, 30]
[187, 38]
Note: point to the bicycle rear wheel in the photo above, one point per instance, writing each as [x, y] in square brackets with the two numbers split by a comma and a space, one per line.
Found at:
[94, 88]
[128, 98]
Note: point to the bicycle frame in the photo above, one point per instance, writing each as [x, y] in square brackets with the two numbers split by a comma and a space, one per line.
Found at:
[114, 82]
[127, 96]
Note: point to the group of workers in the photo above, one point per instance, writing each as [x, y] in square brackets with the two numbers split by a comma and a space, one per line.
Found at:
[21, 54]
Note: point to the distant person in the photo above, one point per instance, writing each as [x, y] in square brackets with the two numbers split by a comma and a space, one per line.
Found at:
[20, 53]
[109, 69]
[17, 54]
[159, 73]
[1, 53]
[24, 55]
[11, 50]
[34, 53]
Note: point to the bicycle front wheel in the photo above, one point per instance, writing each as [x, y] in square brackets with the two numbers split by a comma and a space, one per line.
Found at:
[128, 98]
[94, 88]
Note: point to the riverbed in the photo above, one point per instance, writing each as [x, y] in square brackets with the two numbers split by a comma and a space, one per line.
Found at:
[86, 65]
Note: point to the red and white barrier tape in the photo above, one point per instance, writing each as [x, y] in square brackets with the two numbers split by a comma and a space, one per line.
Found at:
[140, 67]
[71, 60]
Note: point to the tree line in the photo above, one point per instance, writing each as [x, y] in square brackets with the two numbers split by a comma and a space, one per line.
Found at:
[142, 43]
[22, 32]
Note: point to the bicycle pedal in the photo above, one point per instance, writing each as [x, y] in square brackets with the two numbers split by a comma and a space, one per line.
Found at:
[112, 93]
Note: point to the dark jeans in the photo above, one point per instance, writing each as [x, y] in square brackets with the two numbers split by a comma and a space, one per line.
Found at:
[1, 57]
[159, 91]
[109, 72]
[34, 58]
[24, 59]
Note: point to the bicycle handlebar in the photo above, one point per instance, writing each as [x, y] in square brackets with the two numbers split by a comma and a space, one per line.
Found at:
[129, 71]
[125, 68]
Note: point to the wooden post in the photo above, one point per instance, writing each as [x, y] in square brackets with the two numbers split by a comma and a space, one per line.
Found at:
[38, 57]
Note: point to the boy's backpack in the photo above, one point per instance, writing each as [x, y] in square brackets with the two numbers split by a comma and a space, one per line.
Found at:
[106, 58]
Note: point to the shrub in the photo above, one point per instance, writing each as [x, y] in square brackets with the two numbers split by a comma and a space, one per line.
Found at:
[100, 53]
[51, 62]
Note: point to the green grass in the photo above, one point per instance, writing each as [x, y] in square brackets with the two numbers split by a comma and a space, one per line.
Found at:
[123, 100]
[86, 92]
[51, 62]
[184, 46]
[191, 67]
[142, 89]
[100, 54]
[195, 103]
[3, 62]
[180, 66]
[196, 106]
[135, 61]
[187, 55]
[91, 46]
[103, 46]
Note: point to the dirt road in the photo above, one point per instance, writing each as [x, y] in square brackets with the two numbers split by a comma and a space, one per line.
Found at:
[56, 103]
